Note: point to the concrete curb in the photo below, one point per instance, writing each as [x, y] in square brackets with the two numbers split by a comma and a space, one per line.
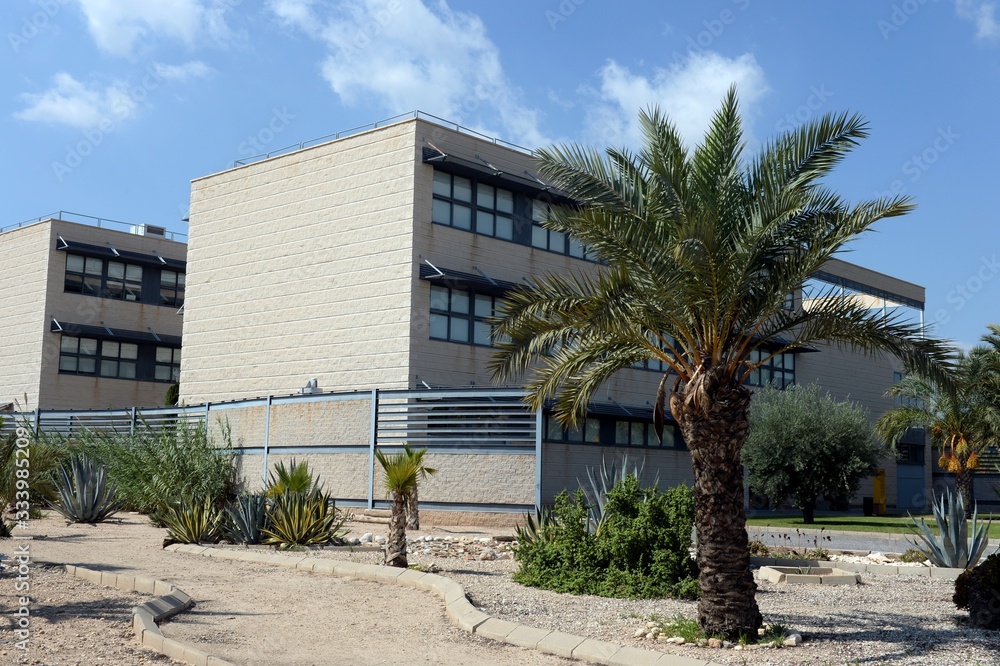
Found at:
[467, 617]
[854, 567]
[146, 617]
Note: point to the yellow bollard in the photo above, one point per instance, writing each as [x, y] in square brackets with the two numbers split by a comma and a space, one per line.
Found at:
[879, 492]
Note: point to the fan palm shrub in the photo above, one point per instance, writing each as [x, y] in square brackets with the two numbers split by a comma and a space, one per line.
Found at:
[698, 251]
[401, 474]
[412, 499]
[295, 478]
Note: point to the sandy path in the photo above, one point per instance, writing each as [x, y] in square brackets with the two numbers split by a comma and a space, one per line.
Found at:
[256, 614]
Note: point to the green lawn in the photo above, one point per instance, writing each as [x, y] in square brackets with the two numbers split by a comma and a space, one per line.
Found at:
[887, 524]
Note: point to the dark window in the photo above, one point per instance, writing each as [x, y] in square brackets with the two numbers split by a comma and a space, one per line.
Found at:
[779, 369]
[467, 204]
[120, 360]
[452, 201]
[78, 355]
[109, 279]
[609, 431]
[460, 316]
[168, 364]
[171, 288]
[120, 280]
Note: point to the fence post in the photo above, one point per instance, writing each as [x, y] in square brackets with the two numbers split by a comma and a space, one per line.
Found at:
[38, 420]
[267, 441]
[208, 409]
[371, 450]
[131, 430]
[538, 462]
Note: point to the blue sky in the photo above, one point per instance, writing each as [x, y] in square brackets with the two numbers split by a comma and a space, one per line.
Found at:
[111, 107]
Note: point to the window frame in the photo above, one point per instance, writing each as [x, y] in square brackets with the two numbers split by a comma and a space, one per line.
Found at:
[471, 318]
[116, 353]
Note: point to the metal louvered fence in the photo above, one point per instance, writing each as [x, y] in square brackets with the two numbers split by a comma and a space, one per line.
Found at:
[485, 444]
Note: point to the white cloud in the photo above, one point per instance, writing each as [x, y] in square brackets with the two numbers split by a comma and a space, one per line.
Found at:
[982, 14]
[70, 102]
[405, 55]
[195, 69]
[689, 92]
[117, 25]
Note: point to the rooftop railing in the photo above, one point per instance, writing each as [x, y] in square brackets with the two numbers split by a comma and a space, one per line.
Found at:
[90, 220]
[375, 125]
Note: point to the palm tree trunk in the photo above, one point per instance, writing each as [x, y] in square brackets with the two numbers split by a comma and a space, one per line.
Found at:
[728, 605]
[412, 512]
[395, 554]
[963, 485]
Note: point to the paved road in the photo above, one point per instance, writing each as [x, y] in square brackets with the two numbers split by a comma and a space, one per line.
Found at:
[832, 540]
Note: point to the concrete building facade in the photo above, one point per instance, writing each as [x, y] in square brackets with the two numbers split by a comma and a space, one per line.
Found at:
[374, 259]
[91, 314]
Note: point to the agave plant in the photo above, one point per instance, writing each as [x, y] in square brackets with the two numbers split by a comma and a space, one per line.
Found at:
[85, 496]
[534, 531]
[602, 480]
[192, 520]
[952, 548]
[245, 519]
[303, 519]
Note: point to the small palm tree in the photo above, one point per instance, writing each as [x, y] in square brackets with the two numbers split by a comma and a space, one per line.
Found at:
[412, 500]
[402, 474]
[699, 250]
[962, 420]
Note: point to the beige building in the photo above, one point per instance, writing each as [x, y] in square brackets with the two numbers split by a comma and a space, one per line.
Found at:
[373, 260]
[91, 313]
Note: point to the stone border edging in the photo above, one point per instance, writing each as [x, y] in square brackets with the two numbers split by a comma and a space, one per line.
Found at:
[146, 617]
[458, 609]
[857, 567]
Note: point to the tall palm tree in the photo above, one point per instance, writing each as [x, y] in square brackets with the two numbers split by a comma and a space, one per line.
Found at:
[699, 250]
[963, 421]
[401, 476]
[412, 499]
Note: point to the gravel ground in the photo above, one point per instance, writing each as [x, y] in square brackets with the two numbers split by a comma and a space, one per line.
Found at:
[73, 623]
[254, 614]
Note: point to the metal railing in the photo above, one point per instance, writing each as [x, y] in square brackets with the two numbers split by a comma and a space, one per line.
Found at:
[91, 220]
[487, 422]
[375, 125]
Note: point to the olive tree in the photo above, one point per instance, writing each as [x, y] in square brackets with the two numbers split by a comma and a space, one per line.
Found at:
[803, 444]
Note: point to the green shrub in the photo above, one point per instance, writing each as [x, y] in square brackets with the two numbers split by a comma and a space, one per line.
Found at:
[46, 456]
[980, 593]
[641, 550]
[246, 519]
[295, 478]
[85, 496]
[155, 467]
[303, 519]
[193, 520]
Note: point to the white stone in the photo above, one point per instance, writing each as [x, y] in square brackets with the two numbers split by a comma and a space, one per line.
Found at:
[380, 539]
[366, 538]
[639, 633]
[792, 640]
